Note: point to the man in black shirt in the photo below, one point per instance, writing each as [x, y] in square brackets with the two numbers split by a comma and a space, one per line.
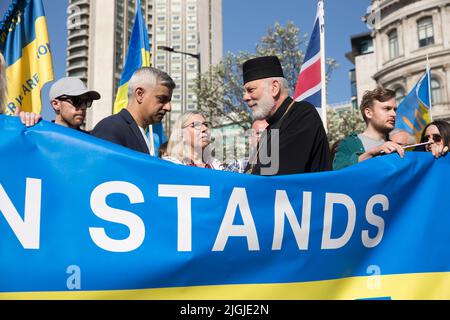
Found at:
[295, 140]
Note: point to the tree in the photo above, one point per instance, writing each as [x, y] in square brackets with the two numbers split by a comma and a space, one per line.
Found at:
[220, 90]
[342, 123]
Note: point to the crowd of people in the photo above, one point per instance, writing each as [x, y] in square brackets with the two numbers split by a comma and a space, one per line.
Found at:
[289, 136]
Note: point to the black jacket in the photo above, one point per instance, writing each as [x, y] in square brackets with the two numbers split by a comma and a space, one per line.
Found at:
[303, 144]
[121, 129]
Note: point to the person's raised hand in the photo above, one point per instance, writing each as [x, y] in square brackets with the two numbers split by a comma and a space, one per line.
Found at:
[29, 118]
[438, 150]
[387, 148]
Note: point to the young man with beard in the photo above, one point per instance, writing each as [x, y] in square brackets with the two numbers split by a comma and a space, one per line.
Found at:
[378, 108]
[149, 96]
[295, 140]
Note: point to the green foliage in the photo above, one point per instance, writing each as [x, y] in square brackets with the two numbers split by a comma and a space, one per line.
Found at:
[342, 123]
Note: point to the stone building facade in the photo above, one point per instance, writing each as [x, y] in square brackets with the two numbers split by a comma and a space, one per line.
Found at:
[404, 33]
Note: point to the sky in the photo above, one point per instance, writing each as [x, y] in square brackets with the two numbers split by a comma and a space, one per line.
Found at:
[244, 23]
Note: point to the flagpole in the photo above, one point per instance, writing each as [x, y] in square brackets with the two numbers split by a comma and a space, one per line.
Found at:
[322, 62]
[429, 87]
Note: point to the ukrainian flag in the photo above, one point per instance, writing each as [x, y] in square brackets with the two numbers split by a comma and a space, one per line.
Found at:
[25, 46]
[138, 56]
[413, 113]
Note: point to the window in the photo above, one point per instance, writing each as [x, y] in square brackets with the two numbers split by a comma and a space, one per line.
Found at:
[353, 87]
[366, 46]
[399, 95]
[393, 44]
[425, 30]
[436, 94]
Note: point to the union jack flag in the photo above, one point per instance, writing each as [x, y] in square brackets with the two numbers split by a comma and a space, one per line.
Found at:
[311, 79]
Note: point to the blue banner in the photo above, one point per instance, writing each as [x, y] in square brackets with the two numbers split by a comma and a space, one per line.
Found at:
[84, 218]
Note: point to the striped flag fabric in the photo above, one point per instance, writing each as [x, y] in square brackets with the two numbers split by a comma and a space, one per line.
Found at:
[310, 85]
[413, 113]
[25, 46]
[138, 56]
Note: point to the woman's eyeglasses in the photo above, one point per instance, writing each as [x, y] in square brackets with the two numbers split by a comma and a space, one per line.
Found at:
[435, 137]
[197, 125]
[77, 102]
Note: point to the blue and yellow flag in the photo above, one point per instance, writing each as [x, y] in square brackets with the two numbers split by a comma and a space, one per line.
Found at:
[138, 56]
[413, 113]
[25, 46]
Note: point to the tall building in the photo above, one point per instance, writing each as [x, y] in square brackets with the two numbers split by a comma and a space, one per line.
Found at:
[404, 33]
[188, 26]
[98, 36]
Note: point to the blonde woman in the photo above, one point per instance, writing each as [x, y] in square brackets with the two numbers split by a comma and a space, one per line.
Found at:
[189, 142]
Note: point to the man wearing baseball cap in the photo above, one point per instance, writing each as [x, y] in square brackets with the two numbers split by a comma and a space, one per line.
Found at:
[70, 98]
[295, 140]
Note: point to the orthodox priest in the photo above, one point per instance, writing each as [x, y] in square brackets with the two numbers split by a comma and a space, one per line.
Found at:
[295, 140]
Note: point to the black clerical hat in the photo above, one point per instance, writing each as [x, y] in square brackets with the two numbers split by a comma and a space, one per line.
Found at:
[262, 67]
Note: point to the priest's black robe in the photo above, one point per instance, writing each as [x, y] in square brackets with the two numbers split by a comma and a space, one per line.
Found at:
[303, 143]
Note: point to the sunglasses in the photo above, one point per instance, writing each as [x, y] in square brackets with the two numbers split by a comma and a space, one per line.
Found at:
[435, 137]
[77, 102]
[197, 125]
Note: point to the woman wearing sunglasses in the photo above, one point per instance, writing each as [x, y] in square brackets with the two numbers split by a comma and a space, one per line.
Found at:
[189, 142]
[438, 133]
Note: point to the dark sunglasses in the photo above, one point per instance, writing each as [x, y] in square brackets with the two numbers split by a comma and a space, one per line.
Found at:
[77, 102]
[197, 125]
[435, 137]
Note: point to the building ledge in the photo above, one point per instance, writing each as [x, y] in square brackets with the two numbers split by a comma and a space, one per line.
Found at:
[406, 62]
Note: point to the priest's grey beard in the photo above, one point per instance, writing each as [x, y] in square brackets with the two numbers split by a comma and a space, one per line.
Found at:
[264, 106]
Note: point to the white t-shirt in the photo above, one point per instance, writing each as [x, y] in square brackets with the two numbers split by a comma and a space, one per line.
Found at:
[369, 143]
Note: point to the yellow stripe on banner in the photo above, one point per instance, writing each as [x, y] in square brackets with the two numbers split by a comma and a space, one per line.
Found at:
[418, 286]
[28, 75]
